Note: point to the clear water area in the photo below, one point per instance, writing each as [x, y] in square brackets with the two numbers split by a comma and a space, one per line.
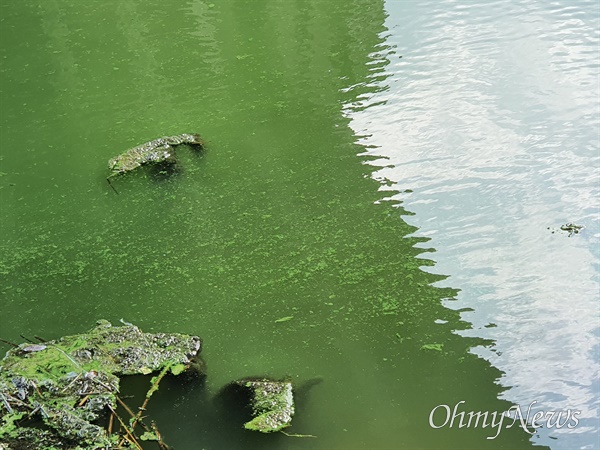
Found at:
[277, 218]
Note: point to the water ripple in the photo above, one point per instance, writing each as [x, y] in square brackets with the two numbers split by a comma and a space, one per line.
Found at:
[490, 121]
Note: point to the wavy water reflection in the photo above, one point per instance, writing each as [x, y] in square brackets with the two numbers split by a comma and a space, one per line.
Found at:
[489, 121]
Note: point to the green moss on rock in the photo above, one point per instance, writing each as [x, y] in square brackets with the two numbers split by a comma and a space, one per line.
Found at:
[69, 383]
[272, 404]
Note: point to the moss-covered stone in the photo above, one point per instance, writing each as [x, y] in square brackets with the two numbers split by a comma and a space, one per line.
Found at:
[161, 150]
[272, 404]
[69, 383]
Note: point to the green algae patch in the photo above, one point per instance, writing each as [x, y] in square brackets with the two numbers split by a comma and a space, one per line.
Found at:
[433, 347]
[284, 319]
[58, 394]
[272, 404]
[176, 369]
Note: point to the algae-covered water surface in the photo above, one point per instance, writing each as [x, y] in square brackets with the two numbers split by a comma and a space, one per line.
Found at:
[272, 244]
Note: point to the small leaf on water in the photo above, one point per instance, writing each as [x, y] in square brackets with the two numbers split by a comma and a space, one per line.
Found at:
[284, 319]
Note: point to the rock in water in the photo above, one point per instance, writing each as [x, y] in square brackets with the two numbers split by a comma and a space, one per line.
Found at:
[71, 382]
[272, 404]
[161, 150]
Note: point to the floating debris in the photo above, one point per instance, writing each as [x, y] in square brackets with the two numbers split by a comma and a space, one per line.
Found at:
[570, 228]
[53, 395]
[284, 319]
[161, 150]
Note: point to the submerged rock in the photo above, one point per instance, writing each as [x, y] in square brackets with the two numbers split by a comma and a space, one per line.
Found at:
[68, 384]
[272, 403]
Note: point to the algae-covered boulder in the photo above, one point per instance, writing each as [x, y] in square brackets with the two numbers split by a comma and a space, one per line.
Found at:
[272, 404]
[161, 150]
[53, 394]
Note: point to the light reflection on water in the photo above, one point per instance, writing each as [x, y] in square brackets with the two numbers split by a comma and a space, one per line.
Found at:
[489, 113]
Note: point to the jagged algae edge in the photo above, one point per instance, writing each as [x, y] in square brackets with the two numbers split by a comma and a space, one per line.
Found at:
[272, 405]
[50, 380]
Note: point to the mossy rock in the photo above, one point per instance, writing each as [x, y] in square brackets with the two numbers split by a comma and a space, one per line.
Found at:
[272, 404]
[161, 150]
[52, 393]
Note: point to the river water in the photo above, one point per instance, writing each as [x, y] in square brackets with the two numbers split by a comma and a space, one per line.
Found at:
[488, 114]
[388, 177]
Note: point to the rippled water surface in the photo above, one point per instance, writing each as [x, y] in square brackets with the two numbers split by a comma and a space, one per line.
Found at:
[389, 176]
[487, 115]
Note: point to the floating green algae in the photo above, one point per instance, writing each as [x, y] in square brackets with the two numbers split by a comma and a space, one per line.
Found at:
[432, 347]
[55, 394]
[284, 319]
